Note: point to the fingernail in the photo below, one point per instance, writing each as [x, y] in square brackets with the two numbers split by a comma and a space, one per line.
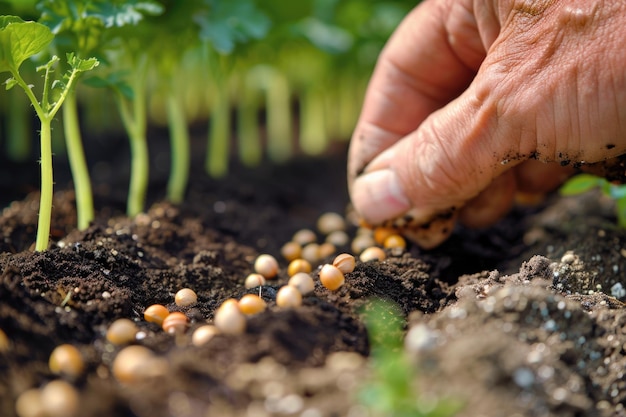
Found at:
[377, 196]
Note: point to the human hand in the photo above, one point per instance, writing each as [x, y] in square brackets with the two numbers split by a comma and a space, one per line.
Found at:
[474, 100]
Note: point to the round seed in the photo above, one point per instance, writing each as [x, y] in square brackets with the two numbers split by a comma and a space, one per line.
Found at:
[156, 313]
[326, 249]
[394, 241]
[362, 242]
[59, 399]
[373, 253]
[134, 363]
[304, 237]
[331, 277]
[121, 332]
[29, 404]
[311, 252]
[266, 265]
[203, 334]
[381, 233]
[229, 319]
[185, 297]
[288, 297]
[338, 238]
[175, 322]
[291, 250]
[252, 304]
[254, 280]
[330, 222]
[298, 265]
[303, 282]
[345, 263]
[66, 360]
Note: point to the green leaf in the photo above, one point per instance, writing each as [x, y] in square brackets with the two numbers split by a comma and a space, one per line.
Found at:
[19, 40]
[125, 12]
[227, 23]
[10, 83]
[114, 81]
[621, 212]
[80, 64]
[581, 183]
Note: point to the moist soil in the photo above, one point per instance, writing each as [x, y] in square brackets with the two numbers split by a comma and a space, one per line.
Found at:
[522, 319]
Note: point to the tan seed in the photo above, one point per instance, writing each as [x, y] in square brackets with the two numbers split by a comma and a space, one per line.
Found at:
[381, 233]
[121, 332]
[175, 322]
[373, 253]
[185, 297]
[288, 297]
[29, 404]
[330, 222]
[326, 249]
[156, 313]
[255, 280]
[304, 237]
[331, 277]
[394, 241]
[298, 265]
[203, 334]
[252, 304]
[60, 399]
[133, 363]
[266, 265]
[303, 282]
[311, 252]
[229, 319]
[291, 250]
[345, 263]
[338, 238]
[66, 360]
[362, 242]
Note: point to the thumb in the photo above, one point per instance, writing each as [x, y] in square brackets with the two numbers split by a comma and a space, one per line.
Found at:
[447, 161]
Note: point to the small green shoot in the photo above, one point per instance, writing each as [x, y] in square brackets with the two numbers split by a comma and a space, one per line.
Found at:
[392, 391]
[20, 40]
[585, 182]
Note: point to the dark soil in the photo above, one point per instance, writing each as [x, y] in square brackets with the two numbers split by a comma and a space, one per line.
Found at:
[516, 320]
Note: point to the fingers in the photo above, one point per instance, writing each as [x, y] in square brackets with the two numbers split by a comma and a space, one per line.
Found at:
[418, 72]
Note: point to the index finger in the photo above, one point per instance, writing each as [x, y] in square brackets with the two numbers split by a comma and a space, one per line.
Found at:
[430, 59]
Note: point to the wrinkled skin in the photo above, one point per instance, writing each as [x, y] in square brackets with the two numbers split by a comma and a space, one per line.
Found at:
[472, 99]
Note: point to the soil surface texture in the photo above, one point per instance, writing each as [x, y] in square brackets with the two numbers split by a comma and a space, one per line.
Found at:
[525, 318]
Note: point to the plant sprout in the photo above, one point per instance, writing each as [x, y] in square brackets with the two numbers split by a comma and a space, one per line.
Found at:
[585, 182]
[20, 40]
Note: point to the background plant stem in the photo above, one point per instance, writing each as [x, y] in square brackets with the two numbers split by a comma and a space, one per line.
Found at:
[179, 139]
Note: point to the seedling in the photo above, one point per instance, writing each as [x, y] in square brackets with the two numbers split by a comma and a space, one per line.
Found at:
[20, 40]
[391, 390]
[585, 182]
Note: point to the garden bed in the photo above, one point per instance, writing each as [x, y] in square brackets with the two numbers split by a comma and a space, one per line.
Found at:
[514, 320]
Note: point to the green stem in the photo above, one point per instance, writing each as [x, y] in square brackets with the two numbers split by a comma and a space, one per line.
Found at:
[216, 163]
[45, 202]
[179, 139]
[279, 135]
[313, 137]
[78, 164]
[250, 150]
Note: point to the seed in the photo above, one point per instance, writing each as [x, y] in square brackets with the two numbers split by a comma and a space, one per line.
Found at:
[291, 250]
[121, 332]
[331, 277]
[5, 344]
[156, 313]
[362, 242]
[326, 249]
[304, 237]
[381, 233]
[330, 222]
[298, 265]
[66, 360]
[203, 334]
[254, 280]
[394, 241]
[252, 304]
[29, 404]
[303, 282]
[134, 363]
[59, 399]
[288, 297]
[266, 265]
[229, 318]
[185, 297]
[311, 252]
[345, 263]
[175, 322]
[338, 238]
[373, 253]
